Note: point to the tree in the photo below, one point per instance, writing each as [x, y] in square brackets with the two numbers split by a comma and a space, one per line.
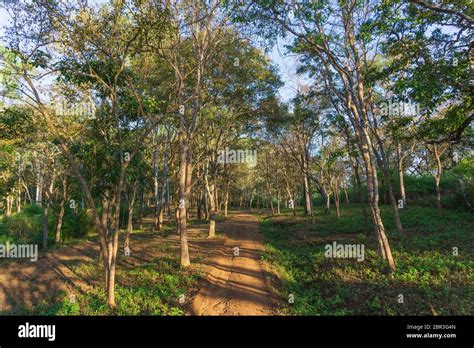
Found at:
[343, 59]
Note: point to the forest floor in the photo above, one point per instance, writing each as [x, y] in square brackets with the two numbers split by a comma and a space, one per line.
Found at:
[434, 257]
[68, 279]
[260, 264]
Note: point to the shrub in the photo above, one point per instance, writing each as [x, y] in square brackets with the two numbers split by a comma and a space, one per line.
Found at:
[75, 224]
[24, 227]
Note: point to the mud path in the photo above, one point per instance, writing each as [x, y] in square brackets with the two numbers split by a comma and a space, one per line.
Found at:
[235, 284]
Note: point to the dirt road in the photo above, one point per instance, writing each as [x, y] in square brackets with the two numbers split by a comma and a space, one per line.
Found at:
[235, 284]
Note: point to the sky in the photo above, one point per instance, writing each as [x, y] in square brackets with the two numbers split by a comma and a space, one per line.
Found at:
[287, 65]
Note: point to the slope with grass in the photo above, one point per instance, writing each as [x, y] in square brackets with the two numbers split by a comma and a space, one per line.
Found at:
[430, 277]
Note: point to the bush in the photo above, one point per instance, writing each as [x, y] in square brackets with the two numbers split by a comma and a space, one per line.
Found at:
[24, 227]
[75, 224]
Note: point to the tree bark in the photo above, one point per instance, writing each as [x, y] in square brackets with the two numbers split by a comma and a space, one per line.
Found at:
[183, 200]
[393, 202]
[39, 187]
[307, 195]
[373, 190]
[9, 205]
[328, 202]
[401, 178]
[439, 173]
[142, 203]
[278, 201]
[45, 226]
[155, 184]
[212, 218]
[62, 209]
[18, 199]
[336, 200]
[226, 202]
[131, 203]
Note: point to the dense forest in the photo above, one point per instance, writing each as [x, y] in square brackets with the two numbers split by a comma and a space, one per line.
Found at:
[143, 142]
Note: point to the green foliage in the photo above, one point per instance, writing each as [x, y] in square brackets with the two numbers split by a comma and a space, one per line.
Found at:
[17, 122]
[428, 275]
[76, 224]
[24, 227]
[420, 190]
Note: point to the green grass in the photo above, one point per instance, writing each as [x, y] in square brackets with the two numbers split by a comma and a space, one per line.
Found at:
[431, 279]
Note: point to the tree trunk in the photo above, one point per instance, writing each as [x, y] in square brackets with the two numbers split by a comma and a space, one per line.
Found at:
[212, 218]
[226, 202]
[110, 275]
[336, 201]
[360, 196]
[45, 225]
[270, 198]
[199, 205]
[291, 195]
[278, 201]
[18, 199]
[49, 194]
[62, 210]
[142, 203]
[9, 205]
[205, 204]
[393, 202]
[104, 224]
[183, 200]
[131, 203]
[155, 184]
[112, 239]
[294, 203]
[373, 193]
[39, 187]
[216, 199]
[438, 175]
[176, 216]
[307, 195]
[165, 195]
[346, 195]
[328, 203]
[400, 174]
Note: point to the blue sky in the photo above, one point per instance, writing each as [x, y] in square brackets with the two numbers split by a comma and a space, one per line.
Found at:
[287, 65]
